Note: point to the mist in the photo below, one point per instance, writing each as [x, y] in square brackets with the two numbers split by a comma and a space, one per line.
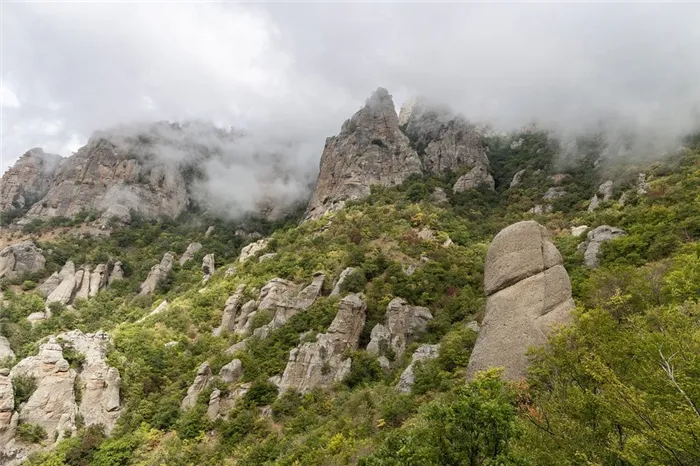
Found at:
[287, 75]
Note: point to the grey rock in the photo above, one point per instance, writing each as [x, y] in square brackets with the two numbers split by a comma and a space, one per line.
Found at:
[595, 202]
[231, 372]
[214, 405]
[269, 255]
[82, 283]
[98, 279]
[210, 230]
[606, 190]
[384, 363]
[49, 285]
[540, 209]
[528, 292]
[189, 253]
[594, 239]
[553, 193]
[321, 363]
[252, 250]
[439, 196]
[208, 266]
[474, 326]
[477, 176]
[21, 258]
[5, 349]
[231, 309]
[517, 179]
[579, 230]
[341, 279]
[240, 346]
[158, 272]
[115, 212]
[642, 184]
[403, 324]
[28, 179]
[63, 293]
[408, 378]
[117, 272]
[201, 381]
[370, 149]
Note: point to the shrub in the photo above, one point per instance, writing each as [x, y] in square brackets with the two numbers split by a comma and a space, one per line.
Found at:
[31, 433]
[28, 285]
[261, 393]
[24, 386]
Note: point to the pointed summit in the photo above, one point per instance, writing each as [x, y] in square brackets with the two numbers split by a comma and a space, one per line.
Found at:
[370, 149]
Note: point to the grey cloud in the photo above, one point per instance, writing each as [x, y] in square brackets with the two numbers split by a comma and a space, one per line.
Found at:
[294, 72]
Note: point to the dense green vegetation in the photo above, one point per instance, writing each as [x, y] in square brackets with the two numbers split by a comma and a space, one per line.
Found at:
[621, 385]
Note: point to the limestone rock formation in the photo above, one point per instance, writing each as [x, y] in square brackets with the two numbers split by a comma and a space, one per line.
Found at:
[28, 179]
[252, 250]
[20, 258]
[528, 291]
[231, 309]
[642, 184]
[579, 230]
[49, 285]
[63, 293]
[606, 190]
[553, 193]
[158, 272]
[231, 372]
[517, 179]
[201, 381]
[477, 176]
[9, 418]
[594, 239]
[341, 279]
[82, 283]
[439, 196]
[370, 149]
[5, 349]
[117, 273]
[402, 324]
[98, 279]
[208, 266]
[321, 363]
[190, 252]
[111, 176]
[408, 377]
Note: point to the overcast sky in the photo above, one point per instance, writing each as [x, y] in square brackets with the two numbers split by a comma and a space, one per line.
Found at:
[301, 69]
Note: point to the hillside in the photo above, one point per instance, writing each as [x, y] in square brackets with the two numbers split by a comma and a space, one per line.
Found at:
[341, 332]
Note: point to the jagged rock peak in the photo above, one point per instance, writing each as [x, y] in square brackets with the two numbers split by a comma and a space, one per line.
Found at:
[370, 149]
[28, 179]
[528, 291]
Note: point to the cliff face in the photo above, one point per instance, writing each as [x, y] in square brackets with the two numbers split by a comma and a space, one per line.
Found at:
[370, 149]
[377, 146]
[111, 180]
[28, 180]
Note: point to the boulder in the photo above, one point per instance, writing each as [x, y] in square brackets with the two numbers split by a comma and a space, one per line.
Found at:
[118, 213]
[553, 193]
[49, 285]
[268, 256]
[158, 272]
[231, 308]
[63, 293]
[321, 363]
[214, 404]
[595, 202]
[341, 279]
[606, 190]
[252, 250]
[408, 378]
[5, 349]
[208, 266]
[402, 324]
[82, 283]
[21, 258]
[642, 184]
[370, 149]
[528, 291]
[209, 231]
[117, 272]
[579, 230]
[8, 416]
[479, 175]
[594, 239]
[98, 279]
[201, 381]
[231, 372]
[517, 179]
[190, 252]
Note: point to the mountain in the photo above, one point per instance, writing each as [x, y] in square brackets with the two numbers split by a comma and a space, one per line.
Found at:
[449, 295]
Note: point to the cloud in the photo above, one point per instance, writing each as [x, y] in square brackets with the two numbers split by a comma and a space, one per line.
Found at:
[296, 71]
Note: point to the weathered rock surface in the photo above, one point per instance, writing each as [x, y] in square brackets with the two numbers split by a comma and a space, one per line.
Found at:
[439, 196]
[201, 381]
[5, 349]
[158, 272]
[579, 230]
[402, 324]
[477, 176]
[594, 239]
[231, 372]
[63, 293]
[606, 190]
[370, 149]
[252, 250]
[20, 258]
[117, 273]
[49, 285]
[642, 184]
[408, 377]
[190, 252]
[82, 283]
[98, 279]
[28, 179]
[208, 266]
[321, 363]
[109, 176]
[517, 179]
[553, 193]
[341, 279]
[528, 291]
[231, 311]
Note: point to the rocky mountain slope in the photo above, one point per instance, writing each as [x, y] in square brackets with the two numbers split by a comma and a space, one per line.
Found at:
[448, 297]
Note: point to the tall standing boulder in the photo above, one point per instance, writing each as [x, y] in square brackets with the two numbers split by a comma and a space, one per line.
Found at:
[321, 363]
[594, 241]
[528, 291]
[157, 274]
[403, 323]
[20, 258]
[63, 293]
[189, 253]
[370, 149]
